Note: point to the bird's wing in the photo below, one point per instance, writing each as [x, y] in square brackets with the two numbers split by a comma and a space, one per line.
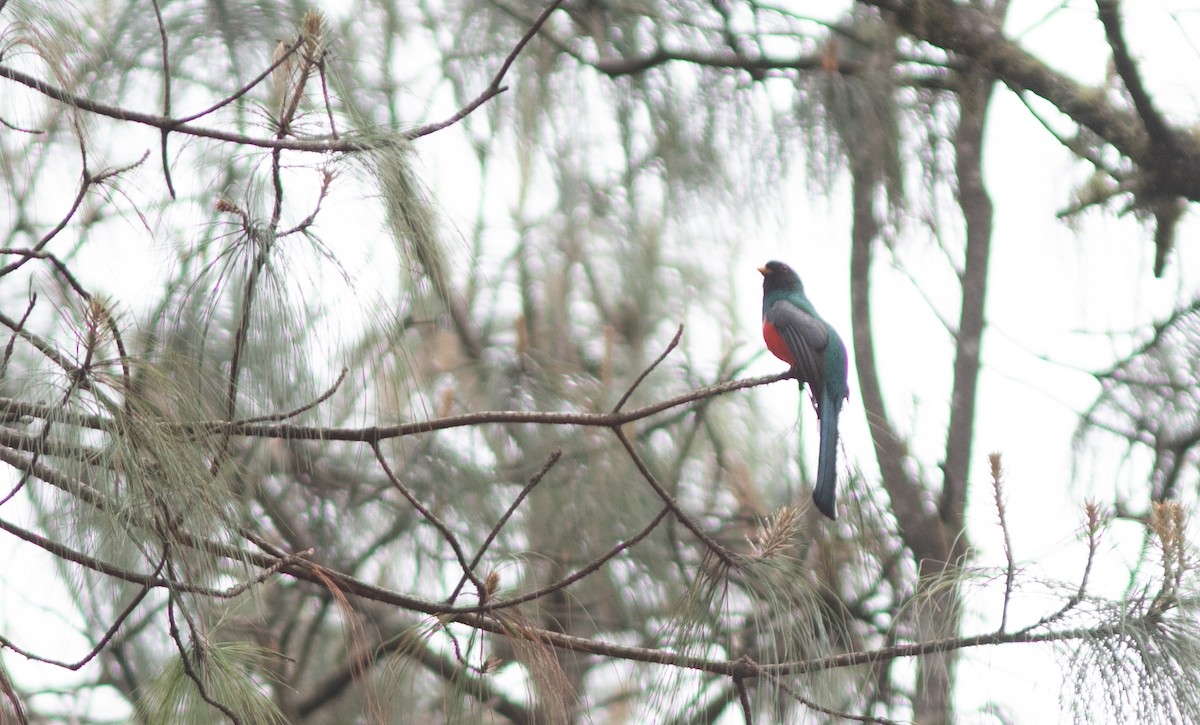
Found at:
[806, 337]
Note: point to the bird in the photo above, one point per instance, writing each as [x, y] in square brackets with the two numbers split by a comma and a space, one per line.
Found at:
[797, 335]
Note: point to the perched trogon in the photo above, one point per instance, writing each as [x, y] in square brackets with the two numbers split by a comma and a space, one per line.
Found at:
[797, 335]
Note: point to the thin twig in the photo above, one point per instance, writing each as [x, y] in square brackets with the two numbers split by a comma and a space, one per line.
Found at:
[58, 264]
[303, 408]
[294, 91]
[590, 568]
[84, 185]
[66, 553]
[12, 410]
[813, 705]
[682, 516]
[20, 129]
[239, 589]
[187, 664]
[494, 88]
[108, 634]
[65, 273]
[504, 417]
[673, 344]
[1157, 128]
[308, 221]
[1093, 523]
[5, 683]
[1010, 567]
[325, 95]
[241, 334]
[744, 699]
[283, 58]
[525, 491]
[166, 66]
[177, 126]
[1073, 145]
[20, 408]
[277, 185]
[432, 518]
[12, 339]
[79, 378]
[184, 125]
[458, 653]
[305, 570]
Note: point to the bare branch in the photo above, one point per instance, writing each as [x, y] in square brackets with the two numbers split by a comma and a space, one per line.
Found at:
[1010, 565]
[177, 126]
[271, 567]
[303, 408]
[105, 638]
[189, 669]
[590, 568]
[813, 705]
[727, 558]
[1161, 134]
[166, 66]
[507, 417]
[6, 685]
[447, 534]
[84, 185]
[744, 700]
[184, 125]
[12, 339]
[280, 59]
[487, 541]
[671, 346]
[494, 88]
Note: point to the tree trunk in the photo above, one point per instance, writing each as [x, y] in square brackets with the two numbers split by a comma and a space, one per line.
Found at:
[937, 541]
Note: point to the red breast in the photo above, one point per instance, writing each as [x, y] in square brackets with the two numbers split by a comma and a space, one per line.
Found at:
[776, 344]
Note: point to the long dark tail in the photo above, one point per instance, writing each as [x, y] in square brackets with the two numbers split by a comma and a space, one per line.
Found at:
[826, 490]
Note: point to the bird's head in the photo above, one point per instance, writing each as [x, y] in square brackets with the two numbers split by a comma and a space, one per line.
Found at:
[779, 276]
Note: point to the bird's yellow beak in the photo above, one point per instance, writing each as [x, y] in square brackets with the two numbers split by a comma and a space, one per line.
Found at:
[764, 271]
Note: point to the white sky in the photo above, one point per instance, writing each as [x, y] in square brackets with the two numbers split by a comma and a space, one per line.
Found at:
[1055, 292]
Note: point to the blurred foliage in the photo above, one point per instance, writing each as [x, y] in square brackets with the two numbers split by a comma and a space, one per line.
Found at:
[231, 570]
